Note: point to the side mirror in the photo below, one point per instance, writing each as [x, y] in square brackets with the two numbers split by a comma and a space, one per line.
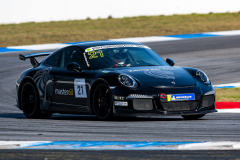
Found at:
[170, 61]
[74, 67]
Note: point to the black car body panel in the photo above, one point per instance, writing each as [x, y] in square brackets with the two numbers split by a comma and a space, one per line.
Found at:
[64, 91]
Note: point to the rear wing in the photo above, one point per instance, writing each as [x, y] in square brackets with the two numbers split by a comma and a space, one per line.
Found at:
[32, 56]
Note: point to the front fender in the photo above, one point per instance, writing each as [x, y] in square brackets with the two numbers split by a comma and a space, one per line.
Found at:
[205, 88]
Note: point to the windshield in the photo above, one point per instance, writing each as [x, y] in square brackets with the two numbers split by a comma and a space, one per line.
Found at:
[122, 56]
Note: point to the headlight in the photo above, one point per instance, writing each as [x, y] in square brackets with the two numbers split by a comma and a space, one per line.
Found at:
[127, 81]
[203, 77]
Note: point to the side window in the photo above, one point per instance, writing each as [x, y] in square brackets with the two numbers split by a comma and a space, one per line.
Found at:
[72, 55]
[55, 60]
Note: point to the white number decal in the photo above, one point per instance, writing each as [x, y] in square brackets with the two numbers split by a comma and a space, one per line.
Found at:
[80, 88]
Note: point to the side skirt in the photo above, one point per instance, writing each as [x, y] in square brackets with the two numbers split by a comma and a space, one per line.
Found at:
[65, 109]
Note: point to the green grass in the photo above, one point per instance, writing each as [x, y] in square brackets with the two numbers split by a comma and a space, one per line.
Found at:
[228, 94]
[102, 29]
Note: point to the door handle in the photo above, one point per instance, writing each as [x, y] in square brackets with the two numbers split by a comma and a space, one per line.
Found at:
[54, 79]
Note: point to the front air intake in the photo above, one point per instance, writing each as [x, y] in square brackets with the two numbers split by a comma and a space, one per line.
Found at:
[180, 106]
[208, 101]
[142, 104]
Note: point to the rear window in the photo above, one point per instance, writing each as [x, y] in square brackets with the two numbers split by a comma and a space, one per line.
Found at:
[54, 60]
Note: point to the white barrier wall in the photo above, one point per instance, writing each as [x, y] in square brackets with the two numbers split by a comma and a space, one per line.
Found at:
[20, 11]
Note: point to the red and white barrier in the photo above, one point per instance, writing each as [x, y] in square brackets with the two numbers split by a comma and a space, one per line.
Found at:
[228, 107]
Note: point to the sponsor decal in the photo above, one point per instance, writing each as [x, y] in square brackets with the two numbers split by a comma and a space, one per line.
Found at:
[168, 69]
[156, 73]
[105, 71]
[64, 92]
[163, 95]
[181, 97]
[114, 46]
[80, 88]
[88, 50]
[151, 69]
[120, 103]
[93, 54]
[22, 57]
[160, 74]
[41, 77]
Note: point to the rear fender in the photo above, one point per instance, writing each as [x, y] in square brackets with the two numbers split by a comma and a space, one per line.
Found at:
[25, 79]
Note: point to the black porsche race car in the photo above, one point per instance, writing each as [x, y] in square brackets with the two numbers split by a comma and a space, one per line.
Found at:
[108, 78]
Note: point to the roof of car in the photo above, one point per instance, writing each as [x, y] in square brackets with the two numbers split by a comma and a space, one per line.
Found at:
[85, 45]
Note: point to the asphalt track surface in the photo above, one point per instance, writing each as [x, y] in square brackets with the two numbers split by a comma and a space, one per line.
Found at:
[117, 155]
[218, 57]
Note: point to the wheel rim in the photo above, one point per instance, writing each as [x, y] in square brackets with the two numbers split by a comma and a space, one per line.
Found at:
[102, 101]
[28, 99]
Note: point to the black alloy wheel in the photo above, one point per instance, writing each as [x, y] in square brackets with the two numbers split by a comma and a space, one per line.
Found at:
[30, 102]
[103, 102]
[193, 117]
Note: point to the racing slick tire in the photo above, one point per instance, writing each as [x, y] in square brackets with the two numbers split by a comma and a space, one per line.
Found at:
[193, 117]
[102, 102]
[30, 102]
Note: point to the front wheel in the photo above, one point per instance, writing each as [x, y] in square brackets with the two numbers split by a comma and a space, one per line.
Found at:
[30, 102]
[193, 117]
[103, 102]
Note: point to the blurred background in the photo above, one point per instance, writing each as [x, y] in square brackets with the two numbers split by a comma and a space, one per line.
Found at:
[58, 21]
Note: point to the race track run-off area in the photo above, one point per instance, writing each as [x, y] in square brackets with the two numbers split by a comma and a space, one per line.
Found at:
[217, 56]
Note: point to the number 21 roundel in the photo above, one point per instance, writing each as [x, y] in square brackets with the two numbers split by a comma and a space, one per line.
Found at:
[80, 88]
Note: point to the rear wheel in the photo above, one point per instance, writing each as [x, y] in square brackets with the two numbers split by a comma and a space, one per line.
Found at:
[30, 102]
[193, 117]
[102, 102]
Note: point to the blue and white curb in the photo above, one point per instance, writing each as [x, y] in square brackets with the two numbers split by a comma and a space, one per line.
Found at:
[119, 145]
[55, 46]
[229, 85]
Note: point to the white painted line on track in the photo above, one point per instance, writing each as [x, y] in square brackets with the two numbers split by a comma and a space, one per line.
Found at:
[147, 39]
[228, 110]
[210, 145]
[18, 144]
[225, 33]
[41, 46]
[228, 85]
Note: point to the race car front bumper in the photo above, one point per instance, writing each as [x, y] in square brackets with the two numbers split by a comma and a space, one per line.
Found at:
[138, 105]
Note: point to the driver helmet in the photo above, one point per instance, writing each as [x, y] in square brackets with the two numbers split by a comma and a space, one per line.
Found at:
[118, 54]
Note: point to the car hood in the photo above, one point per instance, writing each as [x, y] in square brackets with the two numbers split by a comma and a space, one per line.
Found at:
[159, 76]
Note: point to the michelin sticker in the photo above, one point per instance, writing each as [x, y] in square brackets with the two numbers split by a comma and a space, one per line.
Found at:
[80, 88]
[181, 97]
